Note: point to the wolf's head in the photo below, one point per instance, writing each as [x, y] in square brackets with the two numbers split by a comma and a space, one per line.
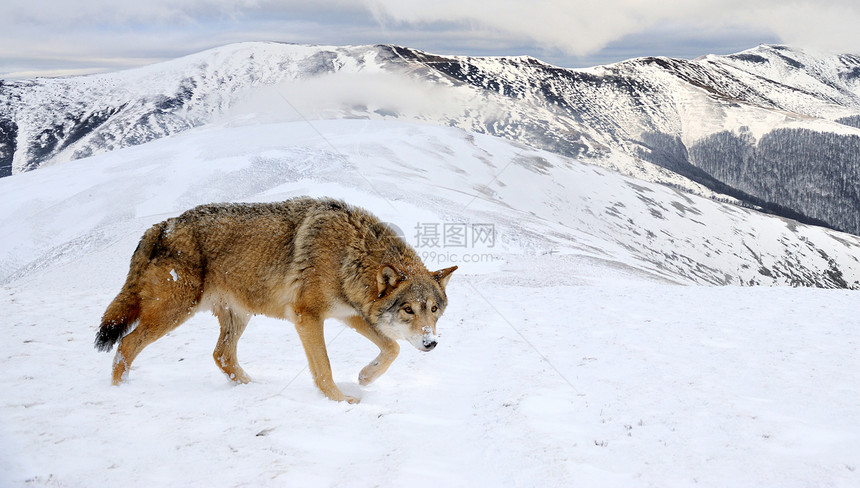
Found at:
[410, 304]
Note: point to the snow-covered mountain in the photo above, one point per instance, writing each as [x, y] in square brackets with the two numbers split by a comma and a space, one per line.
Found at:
[749, 127]
[537, 201]
[569, 354]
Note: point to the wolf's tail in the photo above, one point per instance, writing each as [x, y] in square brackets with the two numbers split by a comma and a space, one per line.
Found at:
[124, 310]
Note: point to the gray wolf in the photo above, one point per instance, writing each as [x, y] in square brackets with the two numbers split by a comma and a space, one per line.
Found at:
[304, 260]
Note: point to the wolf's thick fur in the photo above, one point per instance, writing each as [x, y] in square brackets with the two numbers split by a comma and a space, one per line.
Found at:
[304, 259]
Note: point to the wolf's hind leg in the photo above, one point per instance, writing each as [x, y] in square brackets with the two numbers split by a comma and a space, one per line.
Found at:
[157, 318]
[232, 326]
[167, 300]
[388, 350]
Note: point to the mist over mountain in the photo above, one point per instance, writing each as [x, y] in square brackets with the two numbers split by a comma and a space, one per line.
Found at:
[773, 128]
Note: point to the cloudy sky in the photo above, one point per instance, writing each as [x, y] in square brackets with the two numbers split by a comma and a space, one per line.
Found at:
[57, 37]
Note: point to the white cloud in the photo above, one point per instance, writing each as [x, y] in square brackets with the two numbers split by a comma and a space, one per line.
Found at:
[826, 25]
[583, 27]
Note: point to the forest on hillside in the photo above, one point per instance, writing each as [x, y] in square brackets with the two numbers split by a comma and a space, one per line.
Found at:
[815, 173]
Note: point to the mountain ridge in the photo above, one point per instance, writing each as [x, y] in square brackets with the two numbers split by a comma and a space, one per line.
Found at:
[610, 115]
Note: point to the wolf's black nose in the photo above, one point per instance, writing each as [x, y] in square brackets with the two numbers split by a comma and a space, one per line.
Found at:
[429, 345]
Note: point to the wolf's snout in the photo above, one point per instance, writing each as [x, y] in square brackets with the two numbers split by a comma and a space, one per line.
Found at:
[429, 345]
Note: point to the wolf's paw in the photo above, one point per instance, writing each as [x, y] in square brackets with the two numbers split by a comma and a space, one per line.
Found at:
[239, 377]
[344, 398]
[369, 374]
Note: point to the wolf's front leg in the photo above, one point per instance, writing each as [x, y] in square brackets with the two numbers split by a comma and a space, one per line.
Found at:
[388, 350]
[310, 331]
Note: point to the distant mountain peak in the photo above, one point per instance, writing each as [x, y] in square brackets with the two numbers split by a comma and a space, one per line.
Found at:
[647, 117]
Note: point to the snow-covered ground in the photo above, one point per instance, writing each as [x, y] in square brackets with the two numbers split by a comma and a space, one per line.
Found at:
[583, 345]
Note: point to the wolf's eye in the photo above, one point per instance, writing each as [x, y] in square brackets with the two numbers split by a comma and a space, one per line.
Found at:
[408, 310]
[434, 309]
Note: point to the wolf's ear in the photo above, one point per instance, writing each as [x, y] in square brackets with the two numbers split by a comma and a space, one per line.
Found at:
[443, 275]
[387, 278]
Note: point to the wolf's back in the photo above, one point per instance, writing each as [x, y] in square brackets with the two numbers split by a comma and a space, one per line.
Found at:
[124, 310]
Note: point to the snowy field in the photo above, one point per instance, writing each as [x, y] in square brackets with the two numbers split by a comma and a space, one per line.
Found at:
[568, 356]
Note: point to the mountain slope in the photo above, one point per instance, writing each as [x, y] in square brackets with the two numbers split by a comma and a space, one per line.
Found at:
[568, 356]
[664, 111]
[651, 118]
[536, 201]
